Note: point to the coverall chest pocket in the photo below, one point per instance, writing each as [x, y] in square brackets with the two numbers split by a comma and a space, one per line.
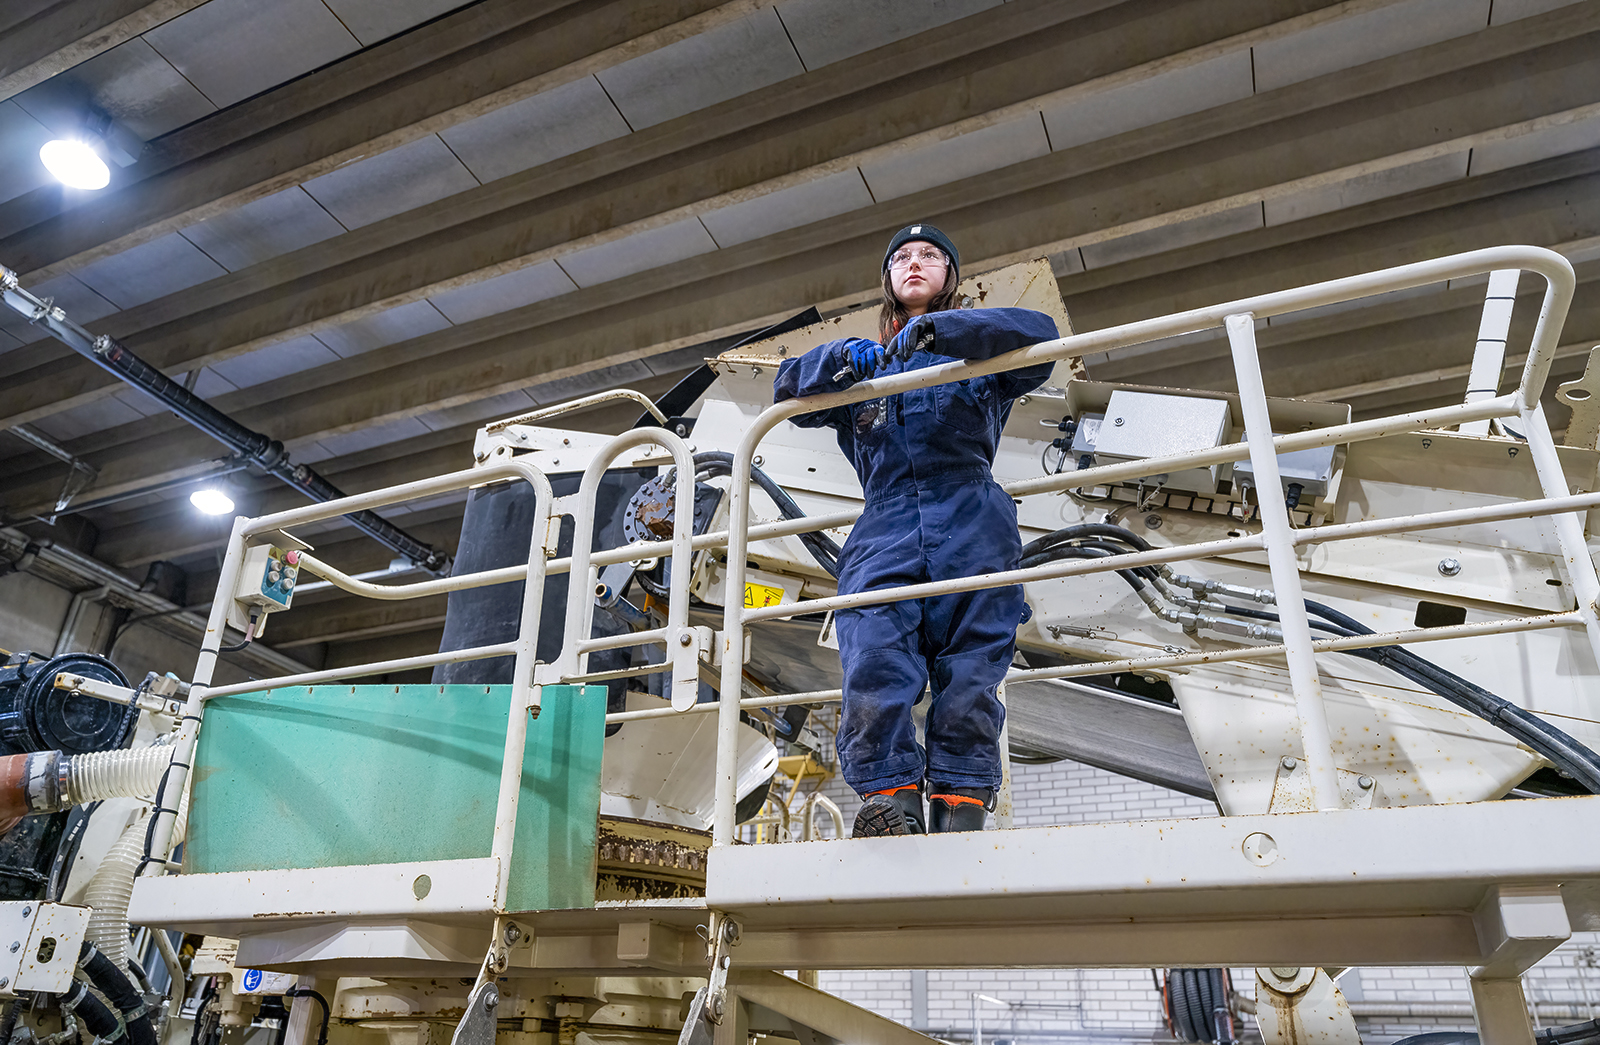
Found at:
[870, 419]
[966, 406]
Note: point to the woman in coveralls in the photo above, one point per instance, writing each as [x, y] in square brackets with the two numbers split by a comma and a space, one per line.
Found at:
[933, 512]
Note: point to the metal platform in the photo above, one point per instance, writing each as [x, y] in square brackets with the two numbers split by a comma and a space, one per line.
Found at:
[1373, 887]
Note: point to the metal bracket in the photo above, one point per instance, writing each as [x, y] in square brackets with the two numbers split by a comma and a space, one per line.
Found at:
[1291, 789]
[507, 934]
[685, 650]
[1583, 396]
[477, 1024]
[710, 1003]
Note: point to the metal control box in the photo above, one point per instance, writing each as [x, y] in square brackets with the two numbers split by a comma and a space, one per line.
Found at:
[1311, 470]
[1141, 425]
[266, 584]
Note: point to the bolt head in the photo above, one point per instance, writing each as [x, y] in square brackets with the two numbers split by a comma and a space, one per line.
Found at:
[1152, 522]
[491, 998]
[685, 639]
[1449, 567]
[1364, 783]
[5, 981]
[513, 933]
[26, 911]
[1284, 973]
[1117, 421]
[1290, 764]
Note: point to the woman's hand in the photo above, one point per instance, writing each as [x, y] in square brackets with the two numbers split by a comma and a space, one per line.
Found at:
[916, 334]
[864, 357]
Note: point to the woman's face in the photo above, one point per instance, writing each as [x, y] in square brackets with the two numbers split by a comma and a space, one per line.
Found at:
[917, 273]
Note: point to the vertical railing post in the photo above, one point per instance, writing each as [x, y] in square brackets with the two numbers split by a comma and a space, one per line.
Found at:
[723, 810]
[1569, 526]
[1316, 740]
[1004, 808]
[525, 693]
[166, 818]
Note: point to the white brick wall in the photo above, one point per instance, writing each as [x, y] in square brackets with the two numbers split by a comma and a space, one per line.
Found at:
[1122, 1005]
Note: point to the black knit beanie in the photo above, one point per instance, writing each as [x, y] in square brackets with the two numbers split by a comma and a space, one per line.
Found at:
[928, 234]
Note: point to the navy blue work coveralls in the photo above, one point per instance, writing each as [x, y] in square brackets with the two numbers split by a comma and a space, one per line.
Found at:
[933, 512]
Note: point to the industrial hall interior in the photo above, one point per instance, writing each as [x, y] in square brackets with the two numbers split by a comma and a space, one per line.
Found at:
[832, 522]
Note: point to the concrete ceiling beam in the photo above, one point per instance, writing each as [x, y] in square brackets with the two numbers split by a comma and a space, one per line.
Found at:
[440, 75]
[429, 257]
[424, 373]
[61, 35]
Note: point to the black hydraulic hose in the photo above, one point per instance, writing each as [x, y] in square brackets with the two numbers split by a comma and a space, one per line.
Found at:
[1079, 531]
[822, 547]
[100, 1020]
[66, 854]
[8, 1022]
[249, 445]
[1079, 552]
[1573, 1034]
[1561, 749]
[1149, 573]
[115, 985]
[1564, 751]
[306, 992]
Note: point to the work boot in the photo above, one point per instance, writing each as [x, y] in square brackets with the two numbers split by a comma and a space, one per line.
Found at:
[895, 811]
[959, 809]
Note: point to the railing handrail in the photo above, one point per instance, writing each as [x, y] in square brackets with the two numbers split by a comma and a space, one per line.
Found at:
[680, 643]
[1560, 283]
[524, 698]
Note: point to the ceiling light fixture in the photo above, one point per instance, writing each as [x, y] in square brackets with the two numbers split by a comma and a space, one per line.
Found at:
[78, 160]
[213, 500]
[75, 164]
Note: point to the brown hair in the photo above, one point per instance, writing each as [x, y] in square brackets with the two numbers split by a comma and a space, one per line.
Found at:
[893, 315]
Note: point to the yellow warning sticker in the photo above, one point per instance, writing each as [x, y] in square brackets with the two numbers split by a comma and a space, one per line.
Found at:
[757, 595]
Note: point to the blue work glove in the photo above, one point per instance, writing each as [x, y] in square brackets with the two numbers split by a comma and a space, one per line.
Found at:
[864, 357]
[917, 334]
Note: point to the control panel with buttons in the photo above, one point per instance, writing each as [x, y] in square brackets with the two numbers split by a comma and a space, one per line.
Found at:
[266, 584]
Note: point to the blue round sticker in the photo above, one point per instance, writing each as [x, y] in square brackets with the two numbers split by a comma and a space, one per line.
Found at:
[252, 979]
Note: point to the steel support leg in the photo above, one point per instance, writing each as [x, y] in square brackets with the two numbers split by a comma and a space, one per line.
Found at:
[1316, 740]
[1501, 1011]
[306, 1014]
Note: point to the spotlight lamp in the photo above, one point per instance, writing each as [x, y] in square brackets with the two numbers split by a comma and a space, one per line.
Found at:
[213, 500]
[75, 164]
[78, 160]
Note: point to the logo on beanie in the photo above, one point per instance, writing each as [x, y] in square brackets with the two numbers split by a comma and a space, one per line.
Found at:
[916, 229]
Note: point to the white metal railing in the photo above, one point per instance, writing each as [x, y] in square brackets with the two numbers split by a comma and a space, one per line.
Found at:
[687, 646]
[528, 676]
[682, 643]
[1277, 539]
[524, 695]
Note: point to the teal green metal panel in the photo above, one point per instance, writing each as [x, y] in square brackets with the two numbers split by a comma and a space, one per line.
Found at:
[330, 776]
